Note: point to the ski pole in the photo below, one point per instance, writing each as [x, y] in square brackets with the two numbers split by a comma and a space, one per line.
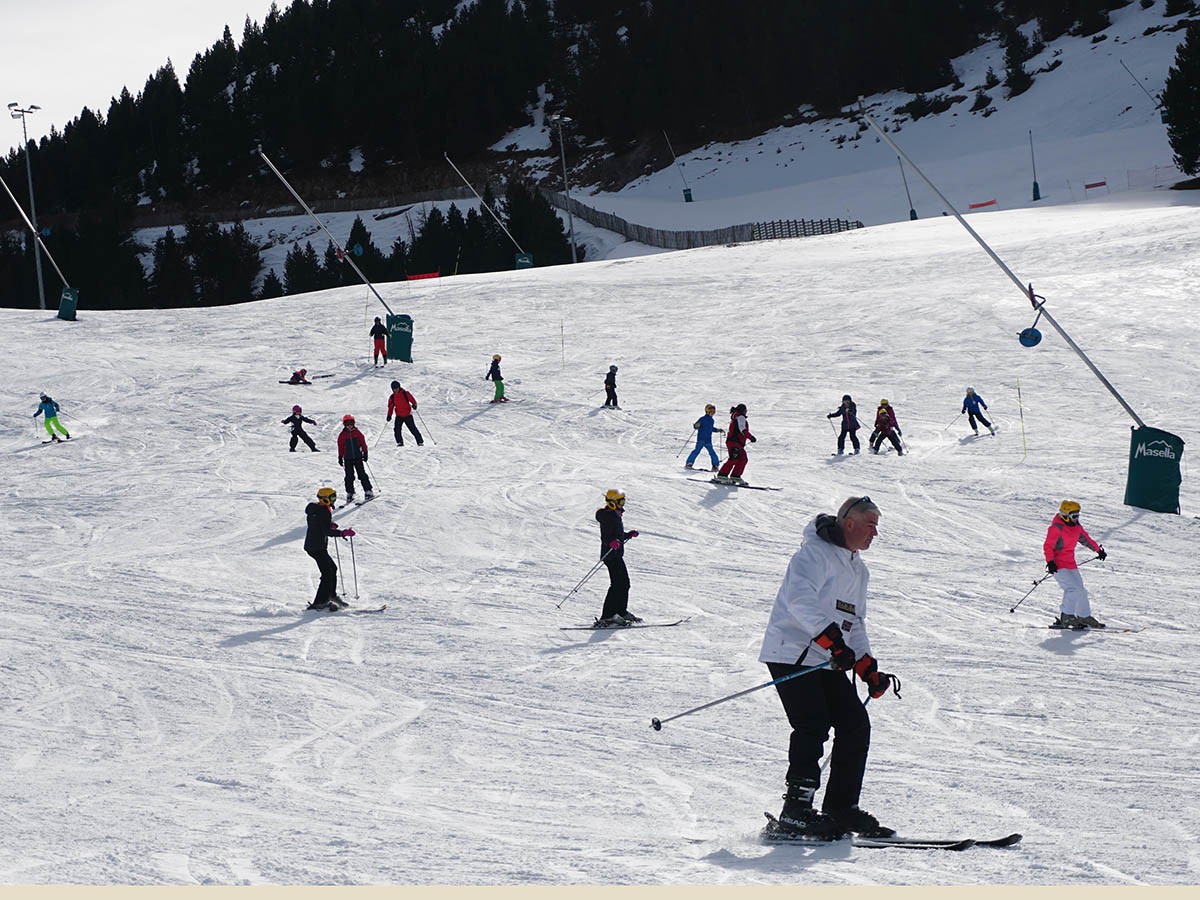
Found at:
[1043, 578]
[341, 574]
[592, 572]
[425, 427]
[955, 419]
[657, 724]
[685, 443]
[378, 436]
[374, 480]
[354, 567]
[76, 418]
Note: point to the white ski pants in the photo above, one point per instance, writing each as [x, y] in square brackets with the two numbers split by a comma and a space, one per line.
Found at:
[1075, 595]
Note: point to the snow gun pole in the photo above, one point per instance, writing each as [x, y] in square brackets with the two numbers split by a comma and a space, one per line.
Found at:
[1026, 290]
[341, 251]
[657, 724]
[481, 203]
[37, 237]
[583, 580]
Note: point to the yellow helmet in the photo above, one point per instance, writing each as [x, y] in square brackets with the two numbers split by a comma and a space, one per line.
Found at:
[709, 408]
[1069, 509]
[327, 495]
[883, 403]
[614, 498]
[496, 357]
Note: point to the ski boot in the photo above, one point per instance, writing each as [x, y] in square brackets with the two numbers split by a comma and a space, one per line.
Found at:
[860, 822]
[799, 821]
[630, 618]
[1091, 622]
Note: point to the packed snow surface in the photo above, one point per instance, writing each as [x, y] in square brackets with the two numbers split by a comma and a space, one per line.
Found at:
[173, 716]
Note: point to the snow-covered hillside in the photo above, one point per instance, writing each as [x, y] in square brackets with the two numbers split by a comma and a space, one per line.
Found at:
[173, 716]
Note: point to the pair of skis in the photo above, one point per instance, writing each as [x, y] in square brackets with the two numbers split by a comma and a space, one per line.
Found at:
[734, 484]
[596, 626]
[775, 833]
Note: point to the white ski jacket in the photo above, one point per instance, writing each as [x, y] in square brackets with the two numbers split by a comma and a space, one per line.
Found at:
[824, 583]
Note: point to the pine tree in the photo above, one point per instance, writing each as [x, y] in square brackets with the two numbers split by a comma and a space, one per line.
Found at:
[301, 270]
[1181, 103]
[271, 287]
[171, 283]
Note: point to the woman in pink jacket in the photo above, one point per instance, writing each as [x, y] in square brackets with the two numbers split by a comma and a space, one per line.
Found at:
[1059, 549]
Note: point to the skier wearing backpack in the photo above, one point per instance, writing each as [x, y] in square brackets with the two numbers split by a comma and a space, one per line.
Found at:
[848, 413]
[610, 388]
[297, 420]
[352, 456]
[612, 552]
[735, 443]
[886, 426]
[379, 332]
[321, 528]
[401, 404]
[705, 426]
[1063, 534]
[49, 408]
[971, 406]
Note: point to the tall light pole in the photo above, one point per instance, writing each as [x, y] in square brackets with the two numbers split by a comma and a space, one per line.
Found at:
[19, 112]
[558, 120]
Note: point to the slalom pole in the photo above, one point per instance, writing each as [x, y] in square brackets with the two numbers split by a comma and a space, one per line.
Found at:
[1021, 408]
[592, 572]
[657, 724]
[955, 419]
[354, 566]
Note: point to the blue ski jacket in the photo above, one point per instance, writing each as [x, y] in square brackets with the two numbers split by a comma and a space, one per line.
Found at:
[972, 402]
[704, 428]
[49, 409]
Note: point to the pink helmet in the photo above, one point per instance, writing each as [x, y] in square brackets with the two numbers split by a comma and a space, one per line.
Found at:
[296, 410]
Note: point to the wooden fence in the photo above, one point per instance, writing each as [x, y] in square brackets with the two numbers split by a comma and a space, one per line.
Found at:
[686, 240]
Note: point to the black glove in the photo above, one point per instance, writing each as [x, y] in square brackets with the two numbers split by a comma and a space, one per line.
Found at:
[1051, 566]
[1101, 554]
[878, 682]
[753, 439]
[341, 462]
[841, 656]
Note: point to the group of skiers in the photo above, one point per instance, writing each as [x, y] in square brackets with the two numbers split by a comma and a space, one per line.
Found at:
[736, 437]
[886, 426]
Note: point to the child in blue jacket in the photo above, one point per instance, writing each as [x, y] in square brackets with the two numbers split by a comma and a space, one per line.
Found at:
[705, 426]
[971, 406]
[49, 409]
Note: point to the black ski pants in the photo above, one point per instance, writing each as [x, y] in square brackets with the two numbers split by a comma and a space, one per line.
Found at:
[846, 430]
[407, 420]
[301, 435]
[814, 703]
[617, 598]
[610, 395]
[877, 440]
[328, 586]
[352, 466]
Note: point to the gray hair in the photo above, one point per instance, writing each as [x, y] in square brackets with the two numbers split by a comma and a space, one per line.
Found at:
[857, 505]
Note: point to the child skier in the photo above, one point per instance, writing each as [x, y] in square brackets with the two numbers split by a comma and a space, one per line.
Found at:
[971, 405]
[612, 551]
[610, 388]
[300, 376]
[352, 456]
[297, 420]
[321, 528]
[49, 409]
[495, 376]
[1059, 549]
[402, 403]
[735, 443]
[705, 426]
[886, 426]
[379, 332]
[848, 412]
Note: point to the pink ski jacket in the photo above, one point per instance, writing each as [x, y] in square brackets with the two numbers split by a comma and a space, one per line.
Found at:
[1061, 539]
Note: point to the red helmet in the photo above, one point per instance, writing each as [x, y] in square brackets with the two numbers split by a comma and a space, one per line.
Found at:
[347, 420]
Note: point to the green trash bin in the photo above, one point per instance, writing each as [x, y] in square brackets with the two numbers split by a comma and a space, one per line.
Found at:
[67, 304]
[399, 342]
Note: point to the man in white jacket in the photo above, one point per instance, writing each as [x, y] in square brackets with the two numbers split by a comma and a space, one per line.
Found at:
[820, 616]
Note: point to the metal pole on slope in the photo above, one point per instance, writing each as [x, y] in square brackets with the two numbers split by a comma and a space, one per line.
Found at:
[1037, 194]
[558, 120]
[37, 237]
[17, 112]
[912, 212]
[481, 203]
[342, 254]
[1027, 291]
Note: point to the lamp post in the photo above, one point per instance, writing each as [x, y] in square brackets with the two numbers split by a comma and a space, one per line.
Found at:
[558, 120]
[19, 112]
